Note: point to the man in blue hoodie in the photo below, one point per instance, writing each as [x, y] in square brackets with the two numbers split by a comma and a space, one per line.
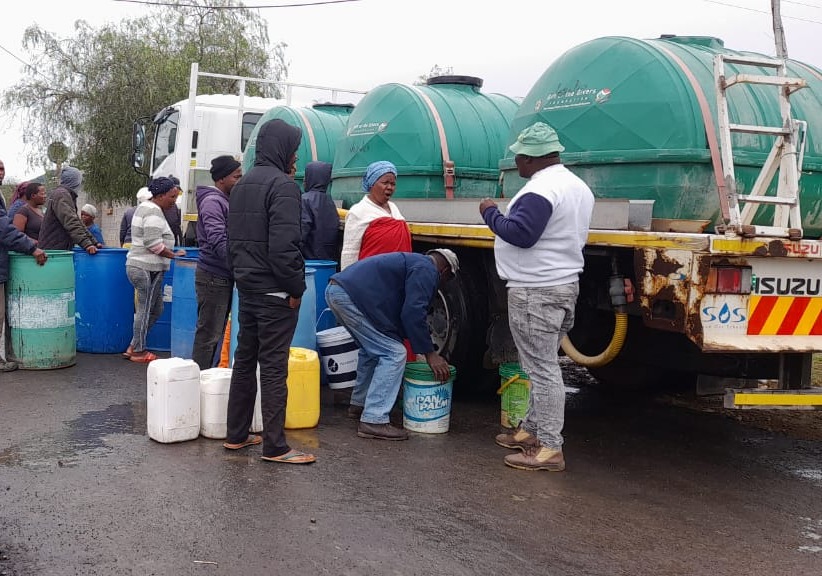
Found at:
[213, 279]
[320, 222]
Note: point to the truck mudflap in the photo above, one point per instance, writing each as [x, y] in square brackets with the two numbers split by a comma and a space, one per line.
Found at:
[782, 313]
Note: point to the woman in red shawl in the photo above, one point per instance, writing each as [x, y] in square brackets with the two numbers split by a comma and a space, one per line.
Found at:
[374, 225]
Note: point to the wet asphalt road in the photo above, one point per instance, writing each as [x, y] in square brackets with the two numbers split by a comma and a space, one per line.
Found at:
[650, 489]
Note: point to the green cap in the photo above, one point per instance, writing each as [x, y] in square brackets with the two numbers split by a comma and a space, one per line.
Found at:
[537, 140]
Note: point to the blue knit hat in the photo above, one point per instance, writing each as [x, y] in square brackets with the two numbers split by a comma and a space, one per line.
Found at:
[375, 171]
[161, 185]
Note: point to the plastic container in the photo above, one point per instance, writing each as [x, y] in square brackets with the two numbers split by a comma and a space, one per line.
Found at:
[339, 357]
[410, 126]
[214, 386]
[184, 310]
[173, 400]
[41, 308]
[323, 270]
[305, 335]
[303, 407]
[426, 402]
[104, 303]
[514, 392]
[628, 113]
[159, 337]
[322, 126]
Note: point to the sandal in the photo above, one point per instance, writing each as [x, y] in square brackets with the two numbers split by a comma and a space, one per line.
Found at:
[291, 457]
[143, 358]
[250, 441]
[128, 353]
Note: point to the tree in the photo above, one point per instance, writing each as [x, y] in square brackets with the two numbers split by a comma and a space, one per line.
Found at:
[436, 70]
[87, 90]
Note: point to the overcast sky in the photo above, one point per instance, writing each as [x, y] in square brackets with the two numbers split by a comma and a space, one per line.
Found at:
[508, 43]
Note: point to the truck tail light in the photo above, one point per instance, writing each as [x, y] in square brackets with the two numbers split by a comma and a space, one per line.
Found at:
[729, 280]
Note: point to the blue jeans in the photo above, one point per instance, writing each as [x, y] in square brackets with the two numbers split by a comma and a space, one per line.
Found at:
[539, 319]
[381, 359]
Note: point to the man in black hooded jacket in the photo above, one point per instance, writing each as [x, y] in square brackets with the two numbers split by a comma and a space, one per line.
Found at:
[269, 271]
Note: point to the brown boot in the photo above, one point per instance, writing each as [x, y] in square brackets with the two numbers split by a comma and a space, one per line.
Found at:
[381, 431]
[519, 440]
[354, 411]
[537, 458]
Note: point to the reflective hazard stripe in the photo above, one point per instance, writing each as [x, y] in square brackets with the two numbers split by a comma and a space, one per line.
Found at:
[784, 316]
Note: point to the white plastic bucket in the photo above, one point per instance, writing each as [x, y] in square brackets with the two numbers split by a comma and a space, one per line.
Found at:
[426, 402]
[338, 356]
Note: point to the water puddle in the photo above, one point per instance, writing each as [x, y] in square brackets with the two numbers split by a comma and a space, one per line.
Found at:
[82, 437]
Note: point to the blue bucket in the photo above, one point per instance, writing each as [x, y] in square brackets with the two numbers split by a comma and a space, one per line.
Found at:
[324, 269]
[426, 402]
[104, 301]
[184, 311]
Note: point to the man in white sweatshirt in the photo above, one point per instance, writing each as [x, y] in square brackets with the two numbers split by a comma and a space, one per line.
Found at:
[538, 252]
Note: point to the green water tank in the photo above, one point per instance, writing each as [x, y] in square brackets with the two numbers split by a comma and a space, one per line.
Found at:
[322, 126]
[409, 125]
[628, 113]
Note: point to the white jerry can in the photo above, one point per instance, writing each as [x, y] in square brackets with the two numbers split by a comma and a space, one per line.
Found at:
[173, 400]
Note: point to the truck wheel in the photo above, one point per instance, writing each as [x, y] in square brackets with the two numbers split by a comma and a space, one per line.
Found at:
[457, 321]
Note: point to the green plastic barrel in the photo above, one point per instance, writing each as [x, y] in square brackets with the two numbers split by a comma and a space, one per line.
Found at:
[41, 310]
[628, 113]
[322, 126]
[514, 392]
[411, 126]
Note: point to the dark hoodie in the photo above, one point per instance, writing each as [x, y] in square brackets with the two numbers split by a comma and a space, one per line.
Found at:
[264, 218]
[212, 231]
[320, 222]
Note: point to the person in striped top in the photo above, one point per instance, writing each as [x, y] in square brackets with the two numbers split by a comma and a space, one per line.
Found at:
[152, 243]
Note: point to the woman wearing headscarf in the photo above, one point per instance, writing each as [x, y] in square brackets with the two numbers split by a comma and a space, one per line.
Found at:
[374, 225]
[148, 259]
[18, 199]
[29, 217]
[320, 222]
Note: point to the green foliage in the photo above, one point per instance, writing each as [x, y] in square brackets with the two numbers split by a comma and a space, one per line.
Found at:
[88, 89]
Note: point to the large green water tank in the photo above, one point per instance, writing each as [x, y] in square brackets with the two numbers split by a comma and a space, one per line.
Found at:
[628, 113]
[399, 123]
[322, 126]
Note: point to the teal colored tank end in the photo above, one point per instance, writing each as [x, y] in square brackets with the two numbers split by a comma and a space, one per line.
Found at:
[395, 122]
[632, 127]
[41, 311]
[322, 126]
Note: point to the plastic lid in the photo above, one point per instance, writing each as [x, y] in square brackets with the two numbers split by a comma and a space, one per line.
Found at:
[422, 371]
[463, 80]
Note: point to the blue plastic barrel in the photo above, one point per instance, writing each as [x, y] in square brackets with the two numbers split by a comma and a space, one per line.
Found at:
[305, 335]
[104, 301]
[184, 310]
[159, 337]
[324, 270]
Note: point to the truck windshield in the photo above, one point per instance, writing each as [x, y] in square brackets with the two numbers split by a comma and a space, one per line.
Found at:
[165, 141]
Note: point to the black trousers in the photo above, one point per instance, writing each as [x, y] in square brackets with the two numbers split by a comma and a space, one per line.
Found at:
[267, 326]
[213, 306]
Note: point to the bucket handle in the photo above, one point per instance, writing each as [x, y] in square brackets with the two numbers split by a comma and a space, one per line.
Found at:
[320, 317]
[510, 381]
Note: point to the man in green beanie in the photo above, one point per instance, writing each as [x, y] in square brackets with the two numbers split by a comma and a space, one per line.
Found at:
[538, 252]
